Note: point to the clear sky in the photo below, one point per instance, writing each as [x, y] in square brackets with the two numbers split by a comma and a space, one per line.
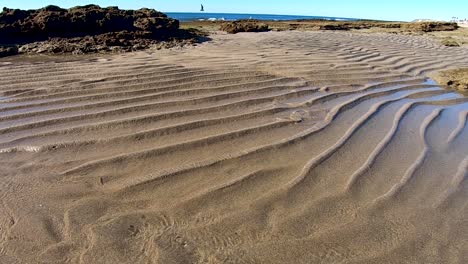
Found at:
[372, 9]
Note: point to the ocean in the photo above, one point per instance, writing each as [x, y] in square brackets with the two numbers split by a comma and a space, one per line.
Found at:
[186, 17]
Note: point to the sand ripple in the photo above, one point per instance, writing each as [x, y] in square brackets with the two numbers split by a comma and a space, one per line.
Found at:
[280, 147]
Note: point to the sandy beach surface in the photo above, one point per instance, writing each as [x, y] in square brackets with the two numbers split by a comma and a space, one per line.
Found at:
[278, 147]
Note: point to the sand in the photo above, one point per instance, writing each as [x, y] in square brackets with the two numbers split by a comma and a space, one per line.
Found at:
[278, 147]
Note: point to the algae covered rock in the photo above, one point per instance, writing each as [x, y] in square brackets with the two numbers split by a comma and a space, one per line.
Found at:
[88, 29]
[450, 42]
[249, 25]
[455, 78]
[19, 26]
[8, 51]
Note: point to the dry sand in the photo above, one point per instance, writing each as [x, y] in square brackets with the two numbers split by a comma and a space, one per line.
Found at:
[279, 147]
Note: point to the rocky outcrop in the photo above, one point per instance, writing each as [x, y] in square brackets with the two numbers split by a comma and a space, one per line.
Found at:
[318, 24]
[86, 29]
[52, 21]
[409, 27]
[450, 42]
[8, 51]
[249, 25]
[429, 26]
[455, 78]
[114, 42]
[334, 27]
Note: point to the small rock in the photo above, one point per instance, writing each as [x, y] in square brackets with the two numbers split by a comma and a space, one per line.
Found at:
[299, 116]
[450, 42]
[8, 51]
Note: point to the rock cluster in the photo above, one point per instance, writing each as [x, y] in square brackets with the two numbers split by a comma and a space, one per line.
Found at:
[450, 42]
[85, 29]
[455, 78]
[429, 26]
[52, 21]
[248, 25]
[8, 51]
[416, 27]
[251, 25]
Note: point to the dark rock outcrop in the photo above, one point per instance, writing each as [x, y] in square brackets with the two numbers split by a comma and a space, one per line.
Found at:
[122, 41]
[430, 26]
[450, 42]
[249, 25]
[86, 29]
[52, 21]
[454, 78]
[8, 51]
[334, 27]
[317, 24]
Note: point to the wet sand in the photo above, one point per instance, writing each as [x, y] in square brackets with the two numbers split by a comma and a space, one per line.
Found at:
[278, 147]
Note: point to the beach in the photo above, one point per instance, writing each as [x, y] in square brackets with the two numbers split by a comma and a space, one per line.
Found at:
[274, 147]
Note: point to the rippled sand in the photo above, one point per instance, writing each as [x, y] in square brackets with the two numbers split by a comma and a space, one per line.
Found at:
[280, 147]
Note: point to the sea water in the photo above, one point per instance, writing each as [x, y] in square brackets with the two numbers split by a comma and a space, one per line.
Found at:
[201, 16]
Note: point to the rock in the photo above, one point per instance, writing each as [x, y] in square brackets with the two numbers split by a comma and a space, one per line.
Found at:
[146, 12]
[160, 25]
[429, 26]
[18, 26]
[8, 51]
[299, 116]
[249, 25]
[450, 42]
[334, 27]
[90, 28]
[317, 24]
[455, 78]
[53, 8]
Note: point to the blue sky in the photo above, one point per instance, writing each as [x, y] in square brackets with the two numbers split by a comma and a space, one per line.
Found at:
[373, 9]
